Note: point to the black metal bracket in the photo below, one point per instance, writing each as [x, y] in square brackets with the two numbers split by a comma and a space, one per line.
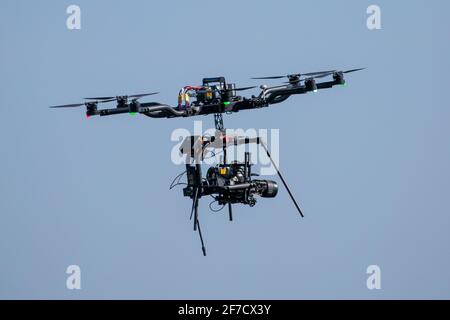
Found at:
[218, 122]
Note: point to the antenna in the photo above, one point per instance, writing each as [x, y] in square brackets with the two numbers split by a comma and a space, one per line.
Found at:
[195, 180]
[282, 179]
[201, 238]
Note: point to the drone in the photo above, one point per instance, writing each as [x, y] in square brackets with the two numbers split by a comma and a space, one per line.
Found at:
[228, 182]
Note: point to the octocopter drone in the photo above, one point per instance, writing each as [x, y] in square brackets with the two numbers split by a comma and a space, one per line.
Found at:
[228, 182]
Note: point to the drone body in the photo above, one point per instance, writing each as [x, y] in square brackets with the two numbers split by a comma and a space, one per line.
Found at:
[228, 182]
[215, 96]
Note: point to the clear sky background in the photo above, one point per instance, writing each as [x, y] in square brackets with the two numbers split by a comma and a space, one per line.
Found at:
[370, 162]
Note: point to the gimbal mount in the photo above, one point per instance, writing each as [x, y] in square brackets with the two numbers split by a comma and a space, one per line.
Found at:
[228, 182]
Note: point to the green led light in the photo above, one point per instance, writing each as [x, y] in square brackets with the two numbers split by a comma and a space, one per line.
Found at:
[226, 103]
[133, 113]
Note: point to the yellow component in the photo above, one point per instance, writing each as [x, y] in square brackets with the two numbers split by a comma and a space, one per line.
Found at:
[223, 171]
[180, 99]
[209, 94]
[186, 97]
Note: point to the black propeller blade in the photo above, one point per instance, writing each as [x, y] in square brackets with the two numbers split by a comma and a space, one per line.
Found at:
[266, 78]
[136, 96]
[318, 76]
[353, 70]
[100, 98]
[321, 75]
[296, 75]
[295, 78]
[81, 104]
[317, 73]
[143, 95]
[329, 73]
[105, 100]
[68, 105]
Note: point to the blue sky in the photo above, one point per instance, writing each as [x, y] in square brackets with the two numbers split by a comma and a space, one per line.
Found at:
[368, 162]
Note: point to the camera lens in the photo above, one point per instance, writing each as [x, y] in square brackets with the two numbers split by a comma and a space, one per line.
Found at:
[270, 189]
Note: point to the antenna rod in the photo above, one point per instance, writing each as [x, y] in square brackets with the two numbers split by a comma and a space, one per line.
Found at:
[198, 183]
[193, 202]
[195, 210]
[201, 238]
[230, 211]
[196, 222]
[282, 179]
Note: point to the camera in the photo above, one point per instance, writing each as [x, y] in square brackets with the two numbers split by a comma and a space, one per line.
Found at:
[229, 183]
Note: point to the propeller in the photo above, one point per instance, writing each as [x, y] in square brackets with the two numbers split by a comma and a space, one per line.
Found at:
[69, 105]
[318, 76]
[318, 73]
[296, 75]
[75, 105]
[135, 96]
[295, 78]
[267, 78]
[353, 70]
